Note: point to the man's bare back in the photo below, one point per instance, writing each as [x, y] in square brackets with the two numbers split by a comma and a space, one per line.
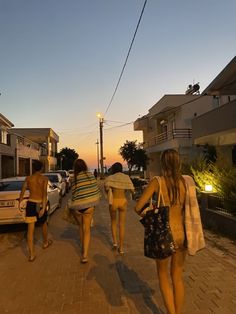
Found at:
[37, 185]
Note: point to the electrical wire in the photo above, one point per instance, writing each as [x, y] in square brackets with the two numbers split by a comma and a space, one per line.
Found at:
[177, 107]
[122, 71]
[119, 126]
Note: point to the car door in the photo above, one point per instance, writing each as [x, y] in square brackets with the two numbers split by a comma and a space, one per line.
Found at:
[53, 197]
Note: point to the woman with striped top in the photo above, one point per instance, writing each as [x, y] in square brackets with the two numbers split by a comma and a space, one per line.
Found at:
[85, 195]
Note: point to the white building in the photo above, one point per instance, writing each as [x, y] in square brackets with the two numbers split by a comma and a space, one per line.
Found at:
[168, 124]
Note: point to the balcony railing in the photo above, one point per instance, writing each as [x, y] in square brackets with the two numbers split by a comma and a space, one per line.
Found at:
[175, 133]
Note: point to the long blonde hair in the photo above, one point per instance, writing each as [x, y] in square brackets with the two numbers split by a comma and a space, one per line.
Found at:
[171, 171]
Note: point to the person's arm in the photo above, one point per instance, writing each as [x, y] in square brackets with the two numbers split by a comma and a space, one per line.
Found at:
[106, 187]
[146, 196]
[24, 187]
[45, 197]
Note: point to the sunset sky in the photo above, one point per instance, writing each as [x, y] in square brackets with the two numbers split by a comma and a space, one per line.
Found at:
[61, 60]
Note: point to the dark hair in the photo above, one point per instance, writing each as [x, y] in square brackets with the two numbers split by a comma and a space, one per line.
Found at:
[79, 166]
[171, 170]
[116, 167]
[37, 165]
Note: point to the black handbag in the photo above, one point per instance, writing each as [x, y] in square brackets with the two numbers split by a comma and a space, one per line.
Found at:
[158, 240]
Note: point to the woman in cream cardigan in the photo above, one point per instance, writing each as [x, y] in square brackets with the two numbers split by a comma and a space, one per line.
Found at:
[115, 187]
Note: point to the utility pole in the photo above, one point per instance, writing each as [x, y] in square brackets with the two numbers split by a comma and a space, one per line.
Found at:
[101, 145]
[97, 143]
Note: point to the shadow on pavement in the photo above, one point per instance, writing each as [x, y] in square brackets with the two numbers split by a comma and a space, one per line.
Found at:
[103, 233]
[137, 289]
[103, 272]
[117, 281]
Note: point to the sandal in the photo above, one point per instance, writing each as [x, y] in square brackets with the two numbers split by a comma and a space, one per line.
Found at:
[121, 252]
[84, 260]
[114, 246]
[32, 258]
[45, 246]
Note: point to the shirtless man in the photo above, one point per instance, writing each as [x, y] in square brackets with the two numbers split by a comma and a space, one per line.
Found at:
[36, 206]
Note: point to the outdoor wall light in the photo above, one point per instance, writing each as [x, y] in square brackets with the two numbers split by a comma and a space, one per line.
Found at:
[208, 188]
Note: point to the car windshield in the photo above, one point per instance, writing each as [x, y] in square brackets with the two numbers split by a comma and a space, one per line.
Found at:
[52, 177]
[11, 185]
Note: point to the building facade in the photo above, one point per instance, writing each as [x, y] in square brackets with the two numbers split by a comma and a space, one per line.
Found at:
[168, 124]
[7, 149]
[19, 148]
[47, 140]
[217, 127]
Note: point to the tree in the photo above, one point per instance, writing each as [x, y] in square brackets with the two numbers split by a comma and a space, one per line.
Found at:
[134, 155]
[66, 158]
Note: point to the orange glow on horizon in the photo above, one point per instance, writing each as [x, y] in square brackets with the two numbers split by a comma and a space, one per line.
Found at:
[87, 147]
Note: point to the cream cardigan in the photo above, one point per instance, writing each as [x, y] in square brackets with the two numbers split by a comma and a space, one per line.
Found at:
[193, 224]
[118, 180]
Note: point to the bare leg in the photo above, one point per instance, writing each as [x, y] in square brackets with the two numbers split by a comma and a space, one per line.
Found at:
[30, 239]
[165, 286]
[122, 216]
[177, 265]
[45, 233]
[79, 219]
[87, 216]
[113, 224]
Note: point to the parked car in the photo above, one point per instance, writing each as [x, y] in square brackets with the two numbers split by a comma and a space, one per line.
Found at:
[10, 189]
[56, 180]
[71, 174]
[66, 178]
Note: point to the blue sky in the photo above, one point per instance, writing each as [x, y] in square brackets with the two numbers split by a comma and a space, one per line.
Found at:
[61, 59]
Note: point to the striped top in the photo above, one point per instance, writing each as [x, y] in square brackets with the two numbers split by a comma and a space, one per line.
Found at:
[85, 191]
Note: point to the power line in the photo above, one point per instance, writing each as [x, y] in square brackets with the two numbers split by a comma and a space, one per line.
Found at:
[122, 71]
[167, 110]
[119, 126]
[114, 121]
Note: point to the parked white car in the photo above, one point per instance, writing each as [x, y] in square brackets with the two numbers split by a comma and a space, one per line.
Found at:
[71, 174]
[57, 180]
[66, 178]
[10, 189]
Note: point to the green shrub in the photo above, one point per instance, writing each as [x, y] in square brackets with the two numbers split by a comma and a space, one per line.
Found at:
[223, 181]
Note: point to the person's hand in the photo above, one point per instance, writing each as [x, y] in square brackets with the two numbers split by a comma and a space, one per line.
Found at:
[21, 210]
[41, 212]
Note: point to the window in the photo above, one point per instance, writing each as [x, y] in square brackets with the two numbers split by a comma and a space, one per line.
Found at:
[4, 137]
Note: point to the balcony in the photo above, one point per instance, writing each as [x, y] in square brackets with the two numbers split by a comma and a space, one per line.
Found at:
[174, 134]
[169, 139]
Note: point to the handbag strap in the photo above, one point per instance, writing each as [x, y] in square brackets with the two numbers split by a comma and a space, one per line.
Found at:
[160, 194]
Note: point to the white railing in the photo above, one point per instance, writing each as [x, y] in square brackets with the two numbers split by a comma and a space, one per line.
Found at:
[175, 133]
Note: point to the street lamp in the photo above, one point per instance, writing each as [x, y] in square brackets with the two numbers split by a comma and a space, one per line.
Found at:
[101, 121]
[97, 143]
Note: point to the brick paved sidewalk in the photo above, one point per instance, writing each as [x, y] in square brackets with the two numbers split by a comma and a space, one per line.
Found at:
[57, 283]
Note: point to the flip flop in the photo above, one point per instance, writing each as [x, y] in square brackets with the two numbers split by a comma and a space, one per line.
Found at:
[121, 252]
[32, 258]
[114, 247]
[48, 244]
[84, 260]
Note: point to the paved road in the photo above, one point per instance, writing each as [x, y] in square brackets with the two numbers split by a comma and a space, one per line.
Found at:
[57, 283]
